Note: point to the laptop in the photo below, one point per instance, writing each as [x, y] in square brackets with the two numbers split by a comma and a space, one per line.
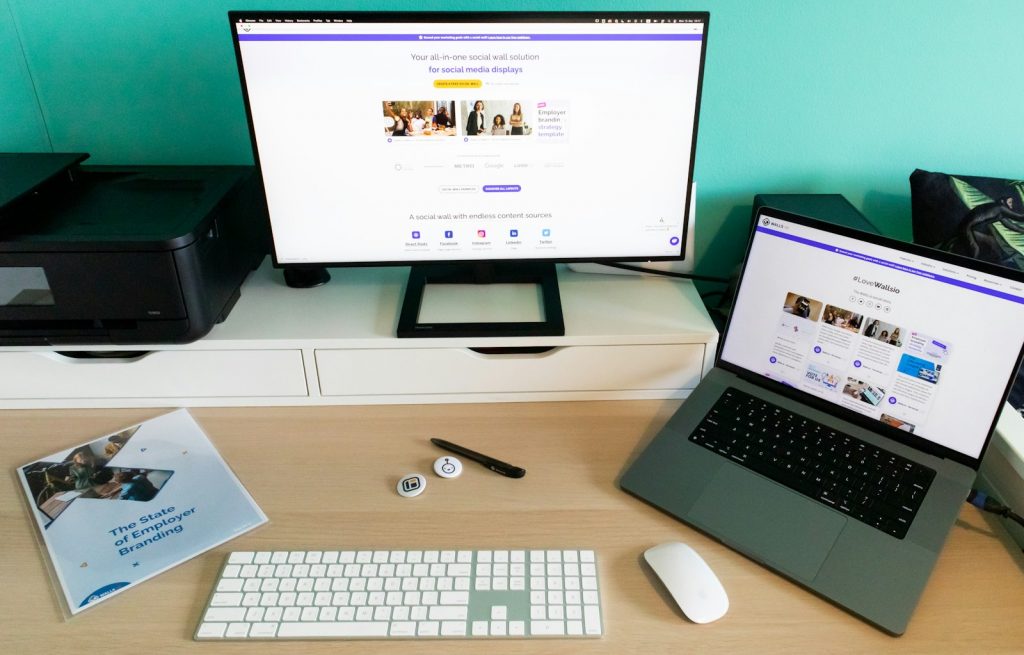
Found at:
[855, 390]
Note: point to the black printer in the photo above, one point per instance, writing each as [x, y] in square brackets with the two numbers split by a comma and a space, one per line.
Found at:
[123, 254]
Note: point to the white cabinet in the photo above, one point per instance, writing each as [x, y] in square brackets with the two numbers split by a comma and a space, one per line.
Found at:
[626, 337]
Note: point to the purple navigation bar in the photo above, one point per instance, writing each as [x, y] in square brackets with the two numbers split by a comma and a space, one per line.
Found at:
[903, 268]
[470, 37]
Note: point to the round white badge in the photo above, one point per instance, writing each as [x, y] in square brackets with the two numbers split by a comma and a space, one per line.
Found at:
[448, 467]
[411, 485]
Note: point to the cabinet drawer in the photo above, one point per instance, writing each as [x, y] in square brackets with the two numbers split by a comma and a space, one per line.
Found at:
[458, 370]
[160, 374]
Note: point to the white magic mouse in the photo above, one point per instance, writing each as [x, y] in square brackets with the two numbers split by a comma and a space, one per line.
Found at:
[692, 583]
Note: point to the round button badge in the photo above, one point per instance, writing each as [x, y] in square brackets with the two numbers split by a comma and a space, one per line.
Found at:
[411, 485]
[448, 467]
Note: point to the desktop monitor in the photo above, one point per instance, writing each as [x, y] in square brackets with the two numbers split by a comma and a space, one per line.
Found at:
[473, 146]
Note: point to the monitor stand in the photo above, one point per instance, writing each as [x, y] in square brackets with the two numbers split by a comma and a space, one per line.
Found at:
[543, 276]
[306, 277]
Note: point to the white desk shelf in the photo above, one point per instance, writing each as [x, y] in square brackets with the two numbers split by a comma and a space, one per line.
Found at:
[626, 338]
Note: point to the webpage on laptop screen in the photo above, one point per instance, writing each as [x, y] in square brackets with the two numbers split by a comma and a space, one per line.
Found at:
[408, 142]
[918, 344]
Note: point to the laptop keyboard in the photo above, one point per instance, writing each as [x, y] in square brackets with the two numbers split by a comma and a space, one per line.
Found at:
[856, 478]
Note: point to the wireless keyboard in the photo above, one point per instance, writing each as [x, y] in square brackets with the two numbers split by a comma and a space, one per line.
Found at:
[405, 594]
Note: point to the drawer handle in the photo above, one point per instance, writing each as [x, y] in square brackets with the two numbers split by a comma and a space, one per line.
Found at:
[501, 351]
[98, 356]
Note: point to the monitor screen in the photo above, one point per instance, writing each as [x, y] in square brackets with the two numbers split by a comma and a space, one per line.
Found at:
[404, 138]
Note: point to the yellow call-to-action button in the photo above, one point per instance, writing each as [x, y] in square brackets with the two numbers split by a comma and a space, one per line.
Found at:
[457, 84]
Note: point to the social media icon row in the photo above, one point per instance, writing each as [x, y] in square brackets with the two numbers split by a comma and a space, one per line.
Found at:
[481, 234]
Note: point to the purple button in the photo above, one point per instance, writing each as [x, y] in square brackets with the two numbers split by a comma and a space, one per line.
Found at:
[502, 188]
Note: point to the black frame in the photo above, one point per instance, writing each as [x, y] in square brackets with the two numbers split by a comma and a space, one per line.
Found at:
[544, 275]
[873, 425]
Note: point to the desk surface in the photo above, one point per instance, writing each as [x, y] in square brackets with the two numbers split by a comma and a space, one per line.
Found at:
[325, 476]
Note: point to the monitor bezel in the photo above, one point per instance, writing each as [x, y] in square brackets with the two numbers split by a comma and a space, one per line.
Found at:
[470, 17]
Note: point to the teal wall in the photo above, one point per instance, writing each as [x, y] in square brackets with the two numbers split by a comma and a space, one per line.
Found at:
[800, 96]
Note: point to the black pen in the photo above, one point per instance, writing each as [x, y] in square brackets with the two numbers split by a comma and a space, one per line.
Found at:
[495, 465]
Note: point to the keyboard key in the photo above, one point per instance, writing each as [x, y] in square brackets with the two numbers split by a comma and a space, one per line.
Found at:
[211, 630]
[454, 597]
[453, 628]
[226, 600]
[403, 628]
[217, 614]
[263, 630]
[592, 619]
[336, 629]
[230, 584]
[448, 613]
[547, 628]
[428, 629]
[237, 630]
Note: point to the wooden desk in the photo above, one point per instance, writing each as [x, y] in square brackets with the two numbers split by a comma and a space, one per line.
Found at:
[326, 478]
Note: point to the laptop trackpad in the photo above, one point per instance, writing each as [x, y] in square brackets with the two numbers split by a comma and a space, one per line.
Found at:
[767, 521]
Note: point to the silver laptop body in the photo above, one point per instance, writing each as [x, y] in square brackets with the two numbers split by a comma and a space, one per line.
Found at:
[806, 335]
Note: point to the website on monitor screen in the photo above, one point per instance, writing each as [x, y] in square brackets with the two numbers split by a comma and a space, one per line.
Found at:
[918, 344]
[391, 142]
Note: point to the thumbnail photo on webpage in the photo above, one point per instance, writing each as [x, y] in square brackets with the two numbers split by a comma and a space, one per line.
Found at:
[467, 118]
[419, 118]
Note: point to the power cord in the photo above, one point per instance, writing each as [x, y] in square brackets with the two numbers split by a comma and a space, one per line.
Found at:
[983, 501]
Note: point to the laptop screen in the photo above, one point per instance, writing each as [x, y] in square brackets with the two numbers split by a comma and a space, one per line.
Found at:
[893, 334]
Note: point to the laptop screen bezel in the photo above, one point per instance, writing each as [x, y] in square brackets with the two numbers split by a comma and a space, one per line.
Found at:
[875, 426]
